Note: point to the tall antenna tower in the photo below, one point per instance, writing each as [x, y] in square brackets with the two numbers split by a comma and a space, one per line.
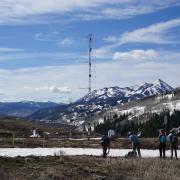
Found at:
[90, 64]
[90, 82]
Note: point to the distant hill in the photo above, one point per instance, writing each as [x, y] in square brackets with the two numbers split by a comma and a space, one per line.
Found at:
[23, 108]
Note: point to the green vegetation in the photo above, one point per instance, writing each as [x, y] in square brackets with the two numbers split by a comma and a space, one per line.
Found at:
[149, 124]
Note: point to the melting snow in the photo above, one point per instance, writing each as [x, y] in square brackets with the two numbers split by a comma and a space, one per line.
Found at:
[174, 105]
[138, 110]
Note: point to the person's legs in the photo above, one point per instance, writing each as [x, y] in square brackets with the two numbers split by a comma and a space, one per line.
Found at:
[171, 151]
[160, 150]
[104, 151]
[175, 149]
[138, 149]
[164, 150]
[134, 146]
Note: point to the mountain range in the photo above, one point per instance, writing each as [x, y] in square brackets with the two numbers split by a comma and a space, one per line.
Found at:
[100, 100]
[23, 108]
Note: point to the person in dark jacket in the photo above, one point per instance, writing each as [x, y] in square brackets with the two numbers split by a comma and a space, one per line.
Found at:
[173, 143]
[105, 143]
[134, 138]
[162, 143]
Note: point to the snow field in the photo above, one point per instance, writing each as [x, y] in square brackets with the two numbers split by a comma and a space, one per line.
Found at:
[24, 152]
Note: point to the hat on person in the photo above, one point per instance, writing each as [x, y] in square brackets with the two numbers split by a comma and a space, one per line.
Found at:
[129, 133]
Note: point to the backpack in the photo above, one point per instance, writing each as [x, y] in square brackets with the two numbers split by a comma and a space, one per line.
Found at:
[162, 139]
[105, 141]
[134, 139]
[174, 139]
[131, 154]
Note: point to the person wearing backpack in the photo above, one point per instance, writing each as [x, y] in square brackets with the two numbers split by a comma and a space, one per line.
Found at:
[105, 143]
[162, 143]
[134, 138]
[173, 143]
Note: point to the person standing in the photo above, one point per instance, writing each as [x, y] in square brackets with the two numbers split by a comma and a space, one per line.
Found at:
[162, 143]
[134, 138]
[173, 143]
[105, 143]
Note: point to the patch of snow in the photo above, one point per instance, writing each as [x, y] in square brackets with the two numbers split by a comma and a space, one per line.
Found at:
[101, 121]
[78, 123]
[119, 102]
[173, 105]
[138, 110]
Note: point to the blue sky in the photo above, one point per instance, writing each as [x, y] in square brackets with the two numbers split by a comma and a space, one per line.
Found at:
[44, 46]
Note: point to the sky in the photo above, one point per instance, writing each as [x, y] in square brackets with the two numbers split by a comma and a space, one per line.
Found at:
[44, 46]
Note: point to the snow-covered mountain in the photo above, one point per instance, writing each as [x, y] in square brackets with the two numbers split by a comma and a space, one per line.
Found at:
[127, 93]
[102, 99]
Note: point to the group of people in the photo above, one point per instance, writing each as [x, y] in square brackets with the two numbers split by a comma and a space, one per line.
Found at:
[173, 139]
[134, 139]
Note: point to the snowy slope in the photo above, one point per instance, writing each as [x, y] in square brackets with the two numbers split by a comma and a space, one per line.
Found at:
[134, 109]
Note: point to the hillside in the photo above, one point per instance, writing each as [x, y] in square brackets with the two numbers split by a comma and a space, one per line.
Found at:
[148, 115]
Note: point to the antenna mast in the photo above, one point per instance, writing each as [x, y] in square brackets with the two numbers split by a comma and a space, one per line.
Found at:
[90, 63]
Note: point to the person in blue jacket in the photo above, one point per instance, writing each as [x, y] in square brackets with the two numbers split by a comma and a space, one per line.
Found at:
[105, 143]
[162, 143]
[173, 142]
[134, 138]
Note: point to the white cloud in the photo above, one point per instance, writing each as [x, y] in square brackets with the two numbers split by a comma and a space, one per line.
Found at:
[65, 42]
[6, 49]
[33, 56]
[103, 52]
[50, 36]
[60, 89]
[46, 80]
[36, 83]
[137, 54]
[54, 36]
[2, 94]
[38, 11]
[157, 33]
[110, 39]
[53, 89]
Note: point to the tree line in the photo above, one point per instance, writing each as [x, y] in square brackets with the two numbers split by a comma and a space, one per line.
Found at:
[149, 123]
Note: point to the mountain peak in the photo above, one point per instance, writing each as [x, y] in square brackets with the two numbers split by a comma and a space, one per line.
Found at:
[163, 85]
[158, 81]
[132, 92]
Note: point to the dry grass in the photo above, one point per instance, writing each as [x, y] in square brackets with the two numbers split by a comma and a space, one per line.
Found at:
[85, 167]
[146, 143]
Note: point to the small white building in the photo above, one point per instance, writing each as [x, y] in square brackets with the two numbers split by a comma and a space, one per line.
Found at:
[35, 134]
